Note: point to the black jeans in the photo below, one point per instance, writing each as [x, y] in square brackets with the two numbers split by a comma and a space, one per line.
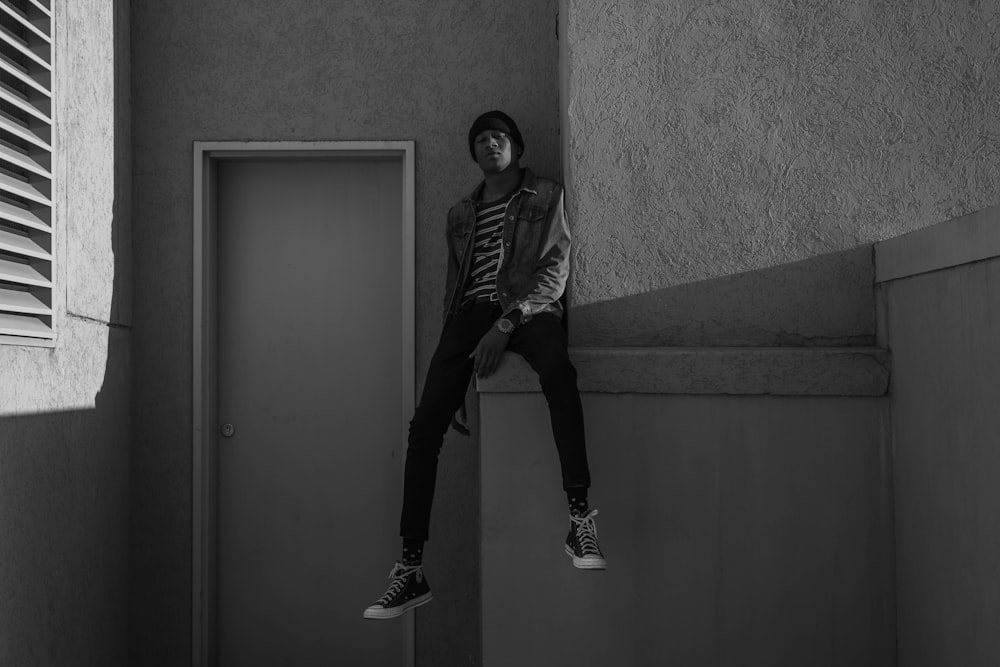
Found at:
[542, 342]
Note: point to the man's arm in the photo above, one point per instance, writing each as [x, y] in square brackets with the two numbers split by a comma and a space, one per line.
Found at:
[546, 286]
[454, 267]
[548, 282]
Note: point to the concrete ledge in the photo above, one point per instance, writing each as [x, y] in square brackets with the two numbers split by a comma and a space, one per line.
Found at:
[842, 371]
[971, 238]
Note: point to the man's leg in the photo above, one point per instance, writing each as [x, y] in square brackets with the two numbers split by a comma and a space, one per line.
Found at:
[444, 390]
[542, 342]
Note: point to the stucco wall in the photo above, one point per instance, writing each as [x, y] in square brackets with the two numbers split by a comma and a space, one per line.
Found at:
[943, 327]
[705, 140]
[65, 412]
[301, 70]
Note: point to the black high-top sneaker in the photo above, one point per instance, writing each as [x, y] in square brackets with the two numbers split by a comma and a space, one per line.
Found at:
[581, 543]
[407, 591]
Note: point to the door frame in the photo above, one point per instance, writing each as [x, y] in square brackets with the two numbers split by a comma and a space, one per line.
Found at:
[204, 463]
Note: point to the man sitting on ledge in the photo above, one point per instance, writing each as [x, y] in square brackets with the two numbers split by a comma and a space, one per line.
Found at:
[508, 261]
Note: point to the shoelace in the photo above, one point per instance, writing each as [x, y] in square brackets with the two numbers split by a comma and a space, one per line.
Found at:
[586, 533]
[398, 574]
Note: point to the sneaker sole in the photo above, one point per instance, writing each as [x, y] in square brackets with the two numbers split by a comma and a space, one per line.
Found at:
[591, 563]
[379, 614]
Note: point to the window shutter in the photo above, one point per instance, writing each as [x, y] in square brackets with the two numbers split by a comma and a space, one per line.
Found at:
[26, 271]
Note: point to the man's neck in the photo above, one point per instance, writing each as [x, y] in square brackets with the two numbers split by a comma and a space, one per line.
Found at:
[497, 185]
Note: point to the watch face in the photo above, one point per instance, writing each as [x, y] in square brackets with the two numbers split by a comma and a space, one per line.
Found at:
[505, 326]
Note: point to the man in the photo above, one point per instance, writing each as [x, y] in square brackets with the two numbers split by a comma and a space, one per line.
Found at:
[508, 261]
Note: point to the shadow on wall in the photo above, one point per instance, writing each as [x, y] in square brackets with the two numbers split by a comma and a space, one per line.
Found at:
[64, 517]
[827, 300]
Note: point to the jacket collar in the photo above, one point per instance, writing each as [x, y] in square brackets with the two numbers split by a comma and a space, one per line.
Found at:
[529, 183]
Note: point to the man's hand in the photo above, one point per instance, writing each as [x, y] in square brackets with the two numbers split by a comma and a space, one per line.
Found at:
[487, 353]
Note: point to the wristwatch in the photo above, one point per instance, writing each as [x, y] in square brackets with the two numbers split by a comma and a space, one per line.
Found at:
[504, 325]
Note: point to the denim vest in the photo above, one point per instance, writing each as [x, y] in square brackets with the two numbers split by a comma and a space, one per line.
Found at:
[534, 251]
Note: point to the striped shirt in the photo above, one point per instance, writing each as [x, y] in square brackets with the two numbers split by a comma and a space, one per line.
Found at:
[486, 255]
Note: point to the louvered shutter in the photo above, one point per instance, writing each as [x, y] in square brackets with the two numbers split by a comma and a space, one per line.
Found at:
[26, 270]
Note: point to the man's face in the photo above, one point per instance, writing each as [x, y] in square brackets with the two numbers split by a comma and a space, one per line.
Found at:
[495, 151]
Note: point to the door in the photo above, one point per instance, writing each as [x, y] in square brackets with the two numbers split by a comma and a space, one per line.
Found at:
[310, 384]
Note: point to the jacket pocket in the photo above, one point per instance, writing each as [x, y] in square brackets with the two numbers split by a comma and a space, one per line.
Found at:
[529, 232]
[531, 215]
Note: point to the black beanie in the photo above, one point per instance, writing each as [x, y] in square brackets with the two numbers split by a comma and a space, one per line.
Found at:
[494, 120]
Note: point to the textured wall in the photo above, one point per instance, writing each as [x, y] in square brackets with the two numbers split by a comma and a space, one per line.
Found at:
[65, 412]
[710, 139]
[298, 70]
[943, 330]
